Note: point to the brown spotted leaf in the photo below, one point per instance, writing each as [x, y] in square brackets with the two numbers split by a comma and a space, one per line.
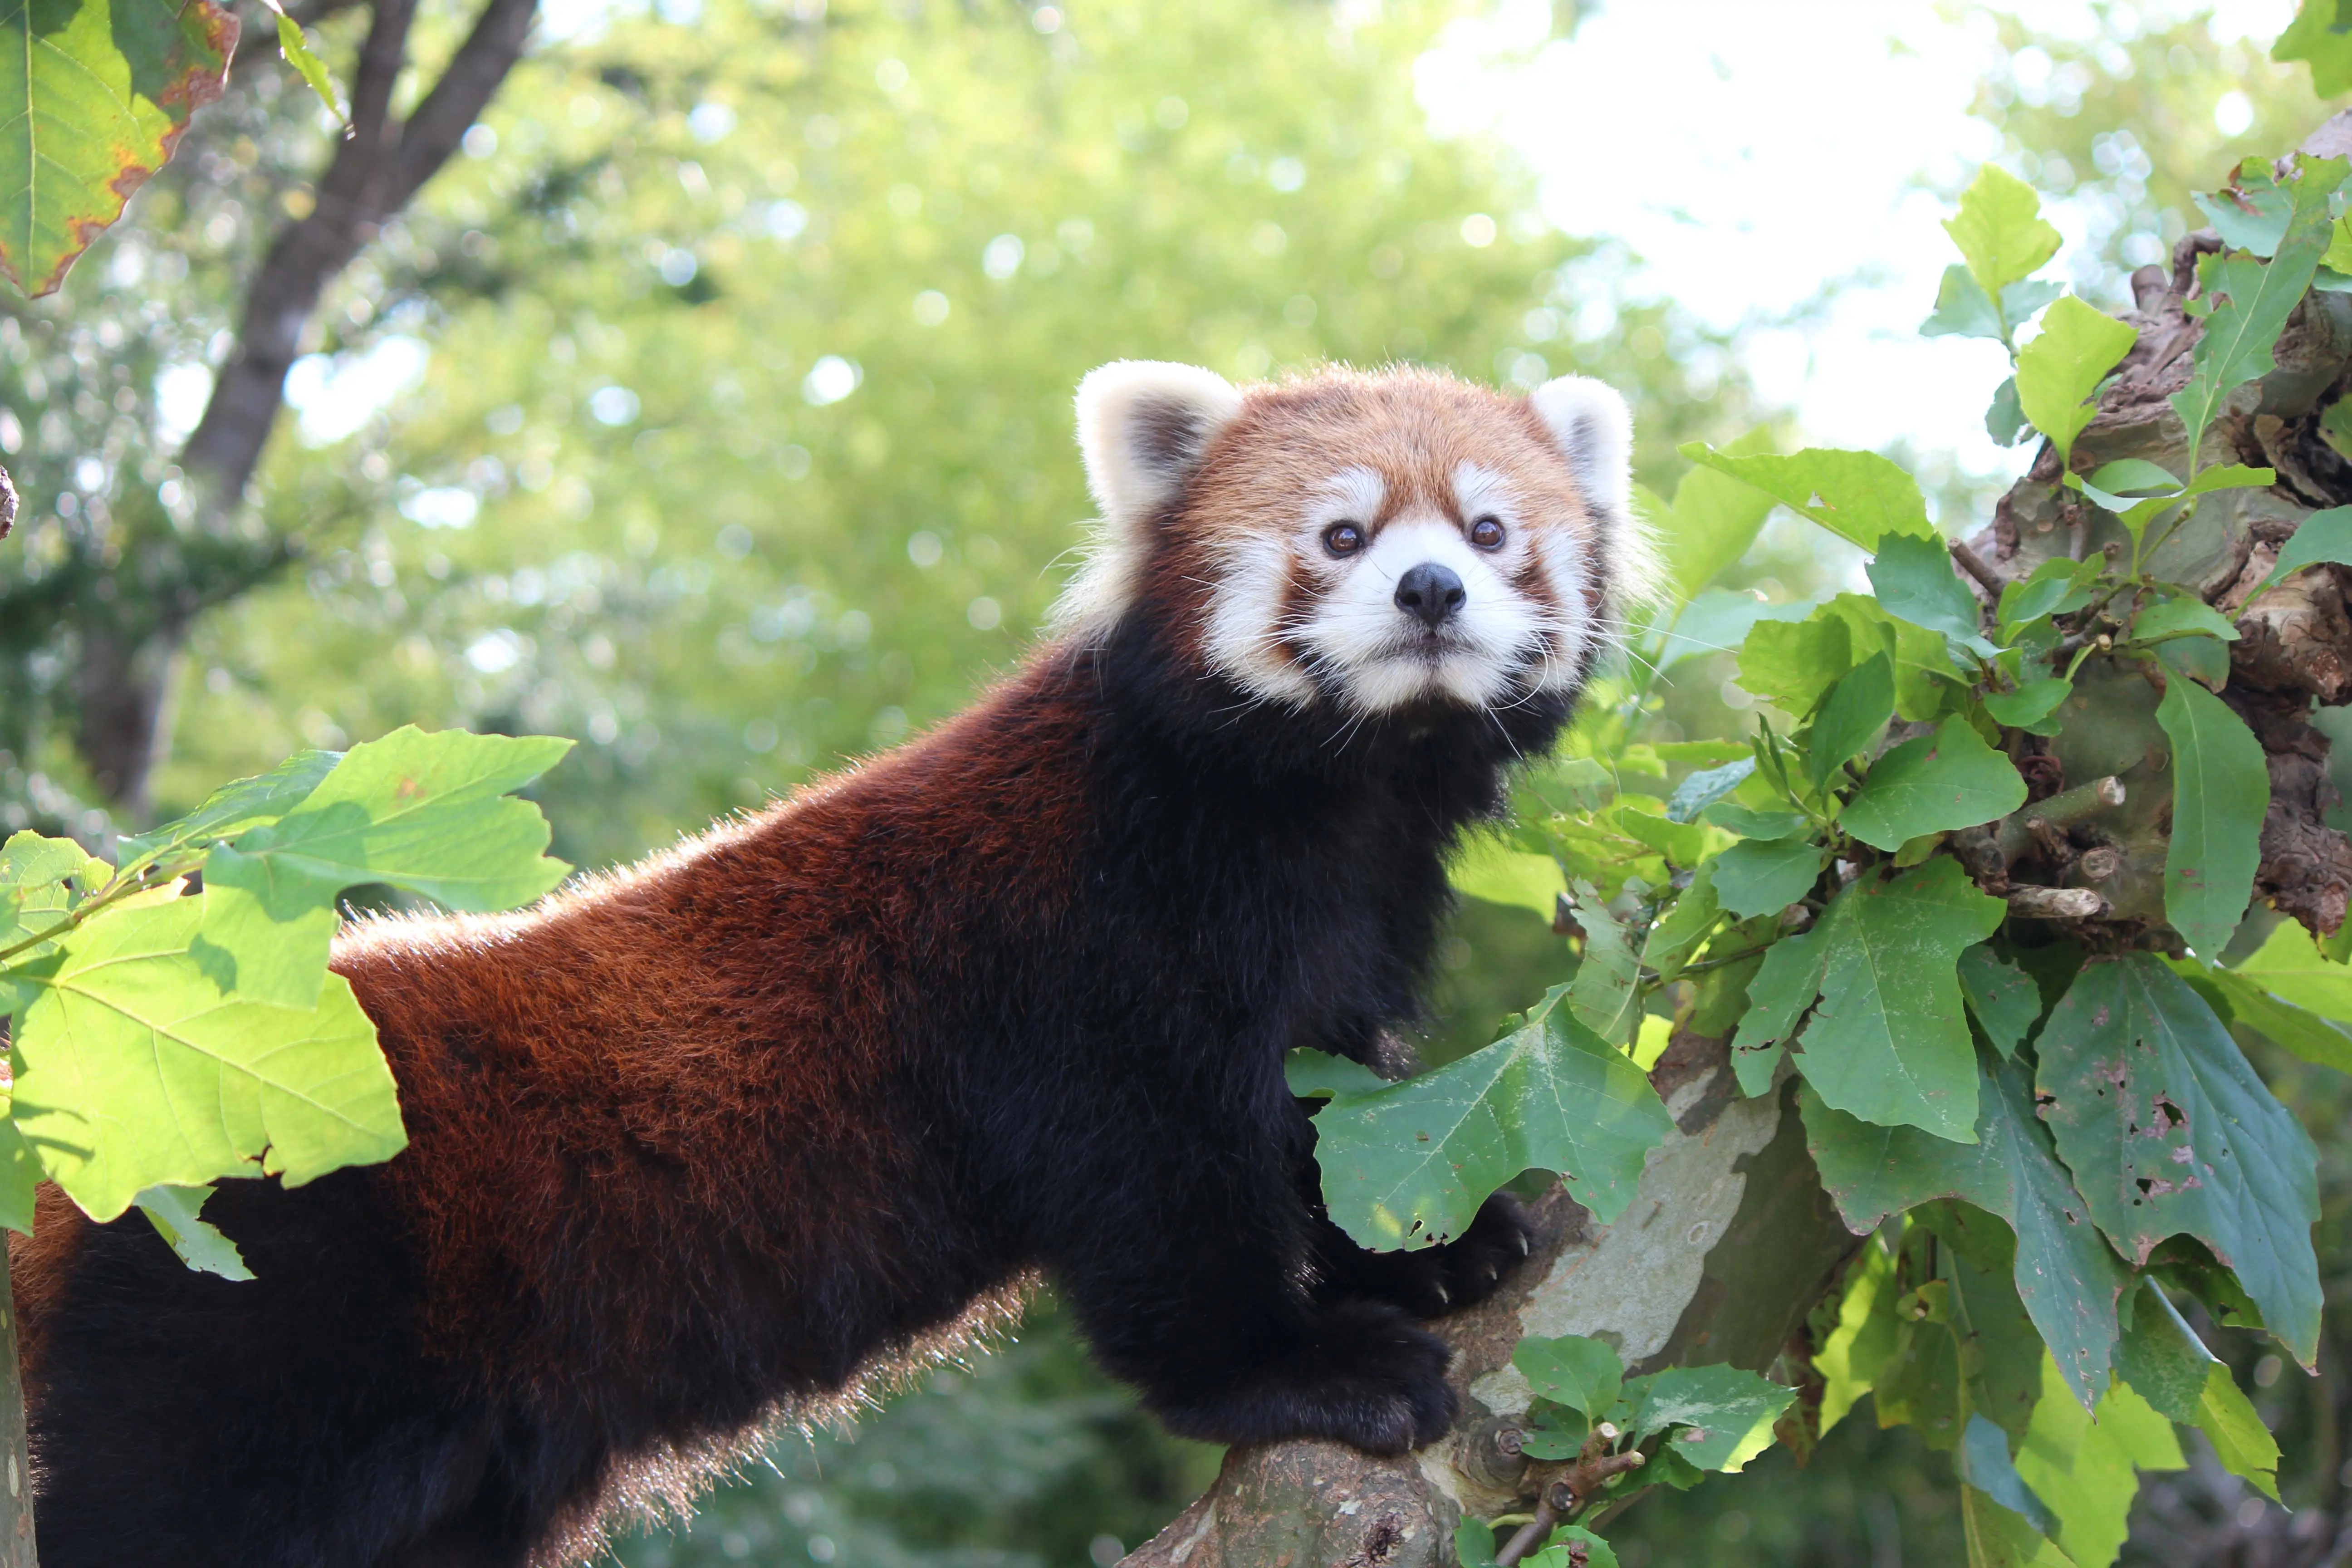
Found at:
[2169, 1132]
[93, 96]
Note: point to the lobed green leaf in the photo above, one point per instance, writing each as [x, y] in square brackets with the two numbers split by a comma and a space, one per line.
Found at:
[1861, 497]
[1408, 1164]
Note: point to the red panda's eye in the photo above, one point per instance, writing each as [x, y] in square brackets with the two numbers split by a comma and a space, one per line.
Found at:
[1343, 539]
[1486, 533]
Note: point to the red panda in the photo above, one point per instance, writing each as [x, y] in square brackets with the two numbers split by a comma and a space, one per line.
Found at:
[725, 1136]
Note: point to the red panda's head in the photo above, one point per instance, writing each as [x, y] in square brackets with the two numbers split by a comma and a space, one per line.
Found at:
[1376, 542]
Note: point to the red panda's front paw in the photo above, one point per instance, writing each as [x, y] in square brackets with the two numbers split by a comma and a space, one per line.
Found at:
[1364, 1375]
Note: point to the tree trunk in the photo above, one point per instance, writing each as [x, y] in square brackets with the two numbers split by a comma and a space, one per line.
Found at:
[1727, 1245]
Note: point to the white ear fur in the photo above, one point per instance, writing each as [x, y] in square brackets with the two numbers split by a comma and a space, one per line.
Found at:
[1594, 429]
[1142, 426]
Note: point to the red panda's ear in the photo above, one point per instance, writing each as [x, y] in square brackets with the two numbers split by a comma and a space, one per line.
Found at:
[1594, 431]
[1142, 426]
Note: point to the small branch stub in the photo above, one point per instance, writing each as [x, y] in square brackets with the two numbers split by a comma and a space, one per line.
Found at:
[2056, 904]
[7, 504]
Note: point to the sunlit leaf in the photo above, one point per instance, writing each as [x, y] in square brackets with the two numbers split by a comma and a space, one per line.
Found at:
[132, 1069]
[1792, 663]
[1488, 868]
[95, 95]
[2058, 372]
[1864, 1334]
[1861, 497]
[2314, 36]
[1999, 230]
[1714, 1406]
[2167, 1364]
[2084, 1467]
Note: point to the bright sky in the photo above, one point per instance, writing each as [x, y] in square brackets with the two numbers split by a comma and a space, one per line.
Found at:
[1748, 154]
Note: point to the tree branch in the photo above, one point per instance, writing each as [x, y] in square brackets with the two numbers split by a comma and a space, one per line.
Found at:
[1725, 1248]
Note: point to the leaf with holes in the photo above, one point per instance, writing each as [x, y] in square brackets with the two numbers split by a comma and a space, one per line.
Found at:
[95, 94]
[2168, 1132]
[1408, 1164]
[2067, 1275]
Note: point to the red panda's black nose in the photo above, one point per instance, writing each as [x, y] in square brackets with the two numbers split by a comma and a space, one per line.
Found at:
[1431, 591]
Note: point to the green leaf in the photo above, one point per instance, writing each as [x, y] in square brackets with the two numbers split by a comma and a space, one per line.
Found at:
[428, 814]
[1701, 790]
[1783, 988]
[1858, 707]
[2252, 213]
[1999, 1537]
[1887, 1043]
[2030, 706]
[1963, 309]
[2324, 536]
[2256, 299]
[2181, 614]
[2164, 1362]
[1926, 678]
[1408, 1164]
[2314, 36]
[2053, 588]
[2132, 476]
[1713, 520]
[96, 94]
[295, 50]
[2004, 421]
[41, 881]
[1717, 1408]
[132, 1069]
[2002, 997]
[1751, 824]
[1932, 783]
[1686, 923]
[1489, 870]
[1914, 581]
[20, 1176]
[1318, 1075]
[1861, 497]
[1598, 1554]
[2067, 1277]
[1791, 663]
[2086, 1467]
[177, 1213]
[2202, 659]
[2221, 790]
[2243, 1002]
[1765, 876]
[1604, 996]
[2062, 368]
[1999, 230]
[2290, 965]
[1474, 1543]
[2168, 1132]
[1581, 1373]
[1984, 1464]
[1850, 1358]
[235, 807]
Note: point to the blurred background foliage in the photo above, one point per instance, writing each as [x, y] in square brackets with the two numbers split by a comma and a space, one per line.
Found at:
[714, 409]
